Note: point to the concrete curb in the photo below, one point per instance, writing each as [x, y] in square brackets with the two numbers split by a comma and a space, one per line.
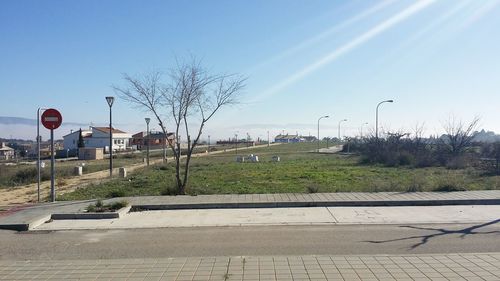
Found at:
[92, 216]
[25, 226]
[65, 216]
[381, 203]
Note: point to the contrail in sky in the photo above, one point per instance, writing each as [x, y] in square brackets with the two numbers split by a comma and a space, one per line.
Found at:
[370, 34]
[321, 36]
[483, 10]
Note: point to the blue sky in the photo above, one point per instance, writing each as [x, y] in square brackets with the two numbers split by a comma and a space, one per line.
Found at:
[303, 59]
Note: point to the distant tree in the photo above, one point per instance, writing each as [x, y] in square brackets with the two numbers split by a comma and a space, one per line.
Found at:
[458, 135]
[191, 96]
[81, 143]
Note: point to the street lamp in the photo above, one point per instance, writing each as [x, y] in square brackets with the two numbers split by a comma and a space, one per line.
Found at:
[376, 117]
[147, 139]
[110, 101]
[366, 123]
[326, 116]
[343, 120]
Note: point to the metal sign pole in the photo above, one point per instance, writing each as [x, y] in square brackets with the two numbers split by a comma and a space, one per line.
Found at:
[38, 149]
[52, 162]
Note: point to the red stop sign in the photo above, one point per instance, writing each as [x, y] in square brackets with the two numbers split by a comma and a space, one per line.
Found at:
[51, 119]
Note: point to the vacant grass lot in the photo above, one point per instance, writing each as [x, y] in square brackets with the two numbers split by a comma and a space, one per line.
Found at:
[22, 174]
[299, 170]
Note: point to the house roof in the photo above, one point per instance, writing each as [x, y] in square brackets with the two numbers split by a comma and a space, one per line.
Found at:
[153, 134]
[106, 130]
[287, 137]
[85, 133]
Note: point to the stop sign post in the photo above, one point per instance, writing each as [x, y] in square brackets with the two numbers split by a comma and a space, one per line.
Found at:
[52, 119]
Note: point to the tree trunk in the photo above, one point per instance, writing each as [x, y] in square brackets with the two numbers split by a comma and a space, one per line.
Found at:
[180, 186]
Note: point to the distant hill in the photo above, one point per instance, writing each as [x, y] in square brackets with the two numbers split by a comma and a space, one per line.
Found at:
[30, 122]
[17, 121]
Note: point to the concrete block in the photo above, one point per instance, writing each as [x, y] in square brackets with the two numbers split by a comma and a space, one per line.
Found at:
[78, 171]
[122, 172]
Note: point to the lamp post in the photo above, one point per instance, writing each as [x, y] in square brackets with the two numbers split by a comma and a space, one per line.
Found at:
[361, 129]
[326, 116]
[110, 101]
[268, 139]
[376, 117]
[147, 140]
[343, 120]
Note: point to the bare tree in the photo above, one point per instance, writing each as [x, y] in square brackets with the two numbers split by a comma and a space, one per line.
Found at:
[458, 135]
[197, 95]
[191, 98]
[146, 93]
[418, 141]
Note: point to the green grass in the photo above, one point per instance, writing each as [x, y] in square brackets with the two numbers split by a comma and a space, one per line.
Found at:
[22, 174]
[299, 171]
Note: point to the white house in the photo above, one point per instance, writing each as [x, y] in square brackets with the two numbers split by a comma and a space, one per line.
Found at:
[6, 152]
[97, 137]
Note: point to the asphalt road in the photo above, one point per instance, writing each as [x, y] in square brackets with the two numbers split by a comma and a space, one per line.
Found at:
[256, 240]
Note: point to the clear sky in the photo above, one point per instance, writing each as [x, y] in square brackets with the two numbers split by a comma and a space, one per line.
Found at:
[303, 59]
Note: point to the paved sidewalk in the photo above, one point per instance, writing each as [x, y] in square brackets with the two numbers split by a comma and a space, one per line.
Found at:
[482, 197]
[475, 214]
[24, 219]
[482, 266]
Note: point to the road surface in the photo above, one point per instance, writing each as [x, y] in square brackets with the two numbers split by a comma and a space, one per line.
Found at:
[251, 240]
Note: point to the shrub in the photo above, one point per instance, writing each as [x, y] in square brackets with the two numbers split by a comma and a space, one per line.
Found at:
[456, 163]
[99, 203]
[451, 182]
[449, 188]
[170, 190]
[118, 205]
[163, 168]
[100, 207]
[116, 193]
[29, 175]
[417, 184]
[312, 189]
[405, 158]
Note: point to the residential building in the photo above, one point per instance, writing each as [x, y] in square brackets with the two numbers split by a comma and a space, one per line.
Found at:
[6, 152]
[98, 137]
[309, 138]
[155, 139]
[288, 138]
